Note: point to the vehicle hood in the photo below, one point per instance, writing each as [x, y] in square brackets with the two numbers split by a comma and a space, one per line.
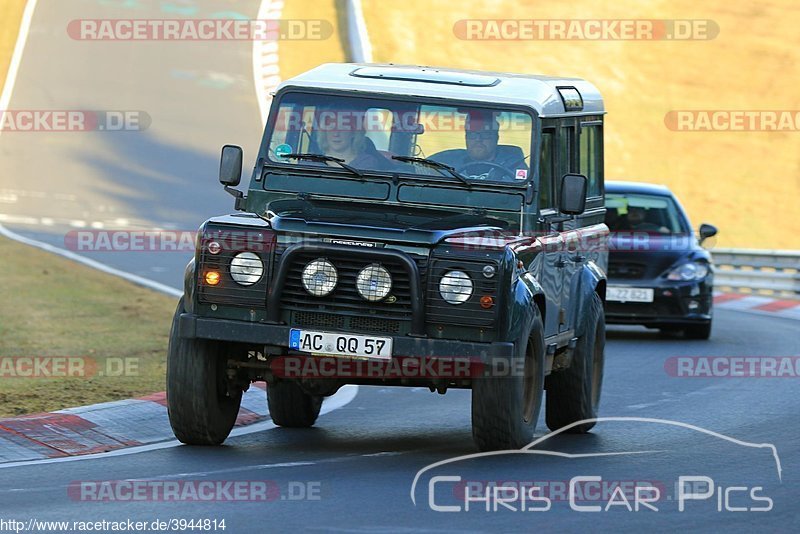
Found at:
[376, 221]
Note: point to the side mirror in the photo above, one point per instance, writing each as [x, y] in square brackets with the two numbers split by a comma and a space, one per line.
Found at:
[230, 165]
[573, 194]
[706, 231]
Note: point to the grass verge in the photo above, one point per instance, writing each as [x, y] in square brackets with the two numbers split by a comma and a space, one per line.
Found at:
[115, 333]
[10, 17]
[299, 55]
[56, 308]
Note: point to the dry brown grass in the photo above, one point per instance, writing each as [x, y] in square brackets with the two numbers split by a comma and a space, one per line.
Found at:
[10, 17]
[296, 56]
[59, 308]
[748, 183]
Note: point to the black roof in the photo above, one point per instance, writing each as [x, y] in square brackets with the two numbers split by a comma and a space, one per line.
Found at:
[641, 188]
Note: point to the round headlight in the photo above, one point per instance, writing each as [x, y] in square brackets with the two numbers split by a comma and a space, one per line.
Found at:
[320, 277]
[246, 268]
[374, 282]
[455, 287]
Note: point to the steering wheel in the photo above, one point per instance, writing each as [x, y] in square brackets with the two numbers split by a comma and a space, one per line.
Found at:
[492, 167]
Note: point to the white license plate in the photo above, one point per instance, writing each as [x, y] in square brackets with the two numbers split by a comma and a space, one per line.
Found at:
[336, 344]
[629, 294]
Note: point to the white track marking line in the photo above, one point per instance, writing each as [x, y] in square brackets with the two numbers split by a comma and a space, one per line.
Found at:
[77, 223]
[341, 399]
[358, 36]
[265, 60]
[138, 280]
[18, 219]
[16, 59]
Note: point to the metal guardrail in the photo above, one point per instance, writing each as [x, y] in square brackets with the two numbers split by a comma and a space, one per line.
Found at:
[774, 272]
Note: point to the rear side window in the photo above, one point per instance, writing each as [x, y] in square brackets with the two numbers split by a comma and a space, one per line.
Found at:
[591, 157]
[547, 170]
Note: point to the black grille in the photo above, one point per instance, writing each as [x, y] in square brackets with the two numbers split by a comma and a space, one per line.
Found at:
[371, 324]
[320, 320]
[626, 270]
[345, 298]
[345, 322]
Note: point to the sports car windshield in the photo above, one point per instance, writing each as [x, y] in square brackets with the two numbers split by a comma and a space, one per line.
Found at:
[643, 213]
[479, 144]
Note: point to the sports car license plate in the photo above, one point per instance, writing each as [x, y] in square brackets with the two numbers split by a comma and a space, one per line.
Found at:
[335, 344]
[629, 294]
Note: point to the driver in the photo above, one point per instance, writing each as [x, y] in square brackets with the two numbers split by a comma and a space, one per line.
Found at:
[481, 136]
[637, 219]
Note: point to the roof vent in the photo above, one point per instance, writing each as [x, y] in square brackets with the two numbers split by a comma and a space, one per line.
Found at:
[426, 75]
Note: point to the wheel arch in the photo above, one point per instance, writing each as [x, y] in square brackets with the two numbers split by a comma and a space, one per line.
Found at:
[588, 281]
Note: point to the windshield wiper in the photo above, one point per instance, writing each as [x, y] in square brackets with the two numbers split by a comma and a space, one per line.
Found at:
[435, 165]
[325, 158]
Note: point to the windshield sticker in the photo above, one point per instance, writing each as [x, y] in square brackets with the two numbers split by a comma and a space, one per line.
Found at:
[282, 149]
[521, 174]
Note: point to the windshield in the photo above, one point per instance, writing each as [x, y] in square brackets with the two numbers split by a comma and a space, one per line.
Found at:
[643, 213]
[480, 144]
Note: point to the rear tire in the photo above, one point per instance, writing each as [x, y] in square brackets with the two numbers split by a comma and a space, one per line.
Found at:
[574, 393]
[201, 412]
[292, 407]
[505, 409]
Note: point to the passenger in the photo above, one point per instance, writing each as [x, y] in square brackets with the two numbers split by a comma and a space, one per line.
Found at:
[345, 137]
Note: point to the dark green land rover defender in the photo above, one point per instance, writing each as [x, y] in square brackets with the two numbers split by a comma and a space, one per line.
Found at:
[404, 226]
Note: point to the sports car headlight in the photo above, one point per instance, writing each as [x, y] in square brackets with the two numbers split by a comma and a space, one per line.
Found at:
[319, 277]
[246, 268]
[689, 271]
[374, 282]
[455, 287]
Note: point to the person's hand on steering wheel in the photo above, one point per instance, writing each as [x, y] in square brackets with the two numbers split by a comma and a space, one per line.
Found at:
[496, 171]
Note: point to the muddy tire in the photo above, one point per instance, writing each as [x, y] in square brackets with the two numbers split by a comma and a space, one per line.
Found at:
[290, 406]
[201, 412]
[505, 409]
[573, 394]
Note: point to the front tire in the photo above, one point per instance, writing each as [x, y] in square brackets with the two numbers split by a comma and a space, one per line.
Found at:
[574, 393]
[201, 411]
[505, 409]
[292, 407]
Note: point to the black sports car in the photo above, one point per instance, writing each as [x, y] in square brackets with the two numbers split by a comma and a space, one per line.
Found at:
[658, 274]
